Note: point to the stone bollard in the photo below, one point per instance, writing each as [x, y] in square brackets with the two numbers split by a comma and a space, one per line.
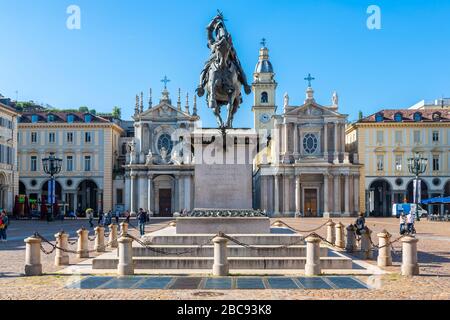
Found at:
[331, 235]
[410, 267]
[339, 228]
[83, 244]
[33, 266]
[99, 245]
[172, 224]
[384, 253]
[126, 264]
[113, 235]
[62, 257]
[312, 266]
[350, 245]
[123, 229]
[278, 224]
[366, 245]
[220, 267]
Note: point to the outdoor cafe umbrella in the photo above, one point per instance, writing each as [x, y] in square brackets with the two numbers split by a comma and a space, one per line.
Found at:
[436, 200]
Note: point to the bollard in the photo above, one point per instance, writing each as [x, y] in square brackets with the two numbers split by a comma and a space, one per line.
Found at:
[126, 264]
[312, 266]
[410, 266]
[82, 248]
[124, 229]
[172, 224]
[113, 235]
[62, 257]
[384, 251]
[331, 235]
[99, 245]
[366, 252]
[339, 229]
[33, 266]
[278, 224]
[220, 267]
[350, 245]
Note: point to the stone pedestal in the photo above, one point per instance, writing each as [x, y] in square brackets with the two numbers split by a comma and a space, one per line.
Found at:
[350, 245]
[220, 266]
[384, 251]
[124, 228]
[33, 266]
[61, 257]
[126, 264]
[82, 246]
[312, 266]
[214, 225]
[331, 235]
[410, 266]
[113, 235]
[223, 168]
[339, 228]
[99, 239]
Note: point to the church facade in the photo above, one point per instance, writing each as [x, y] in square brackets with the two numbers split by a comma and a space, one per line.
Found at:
[300, 168]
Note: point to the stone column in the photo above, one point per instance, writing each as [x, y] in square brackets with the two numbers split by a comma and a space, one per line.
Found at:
[296, 144]
[276, 188]
[61, 258]
[326, 197]
[366, 252]
[337, 194]
[150, 192]
[33, 266]
[325, 141]
[132, 194]
[126, 264]
[297, 196]
[143, 200]
[220, 267]
[356, 192]
[339, 229]
[113, 235]
[347, 196]
[312, 266]
[286, 195]
[99, 244]
[82, 245]
[331, 235]
[350, 246]
[335, 151]
[285, 139]
[410, 267]
[181, 184]
[187, 192]
[384, 252]
[264, 193]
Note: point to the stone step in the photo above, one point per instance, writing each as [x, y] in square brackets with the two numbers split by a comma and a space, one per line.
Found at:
[204, 239]
[206, 263]
[233, 251]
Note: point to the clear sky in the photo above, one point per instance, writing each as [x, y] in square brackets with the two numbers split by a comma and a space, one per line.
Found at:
[125, 47]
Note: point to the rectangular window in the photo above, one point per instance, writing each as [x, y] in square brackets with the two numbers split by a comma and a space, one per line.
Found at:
[33, 165]
[435, 136]
[398, 137]
[398, 162]
[436, 163]
[416, 136]
[380, 137]
[87, 137]
[119, 196]
[87, 163]
[34, 137]
[380, 163]
[69, 137]
[51, 137]
[69, 163]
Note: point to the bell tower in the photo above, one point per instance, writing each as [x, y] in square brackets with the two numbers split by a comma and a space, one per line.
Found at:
[264, 88]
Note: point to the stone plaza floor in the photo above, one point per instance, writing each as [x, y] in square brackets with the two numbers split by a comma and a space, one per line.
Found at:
[433, 283]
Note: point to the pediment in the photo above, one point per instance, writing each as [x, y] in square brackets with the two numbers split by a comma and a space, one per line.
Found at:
[312, 109]
[164, 111]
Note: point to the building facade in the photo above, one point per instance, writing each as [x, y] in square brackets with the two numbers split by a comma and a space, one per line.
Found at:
[159, 170]
[302, 168]
[384, 141]
[9, 179]
[89, 146]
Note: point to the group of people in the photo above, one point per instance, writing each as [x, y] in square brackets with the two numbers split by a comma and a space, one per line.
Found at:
[106, 219]
[4, 223]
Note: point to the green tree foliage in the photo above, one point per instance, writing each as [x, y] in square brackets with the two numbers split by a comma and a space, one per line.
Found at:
[117, 112]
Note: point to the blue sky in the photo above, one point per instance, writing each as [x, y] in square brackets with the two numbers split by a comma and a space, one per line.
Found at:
[125, 47]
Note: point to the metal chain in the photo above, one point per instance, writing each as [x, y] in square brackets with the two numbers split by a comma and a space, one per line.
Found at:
[302, 231]
[253, 247]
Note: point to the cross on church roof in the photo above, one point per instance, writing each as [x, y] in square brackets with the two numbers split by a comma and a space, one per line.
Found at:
[263, 42]
[165, 81]
[309, 78]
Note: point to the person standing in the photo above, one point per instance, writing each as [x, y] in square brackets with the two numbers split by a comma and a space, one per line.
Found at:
[127, 216]
[142, 219]
[360, 223]
[90, 216]
[100, 218]
[117, 216]
[4, 222]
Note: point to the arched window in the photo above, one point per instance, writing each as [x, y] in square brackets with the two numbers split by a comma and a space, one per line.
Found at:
[379, 117]
[264, 97]
[436, 116]
[398, 117]
[70, 118]
[87, 118]
[417, 117]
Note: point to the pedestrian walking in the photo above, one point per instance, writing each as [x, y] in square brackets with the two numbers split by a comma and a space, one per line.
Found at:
[360, 223]
[142, 219]
[90, 216]
[410, 219]
[100, 218]
[117, 216]
[127, 216]
[403, 221]
[4, 222]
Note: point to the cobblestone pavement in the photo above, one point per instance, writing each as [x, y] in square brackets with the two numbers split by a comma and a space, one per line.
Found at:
[433, 283]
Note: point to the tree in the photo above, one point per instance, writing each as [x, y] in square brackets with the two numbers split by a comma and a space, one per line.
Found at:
[360, 115]
[93, 111]
[83, 109]
[117, 112]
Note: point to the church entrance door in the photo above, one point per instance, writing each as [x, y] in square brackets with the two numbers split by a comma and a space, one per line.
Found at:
[165, 202]
[310, 203]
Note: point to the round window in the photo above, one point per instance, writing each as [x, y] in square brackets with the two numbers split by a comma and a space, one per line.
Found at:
[165, 141]
[33, 183]
[436, 181]
[69, 182]
[310, 143]
[399, 181]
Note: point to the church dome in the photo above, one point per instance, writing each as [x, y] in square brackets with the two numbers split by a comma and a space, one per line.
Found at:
[264, 65]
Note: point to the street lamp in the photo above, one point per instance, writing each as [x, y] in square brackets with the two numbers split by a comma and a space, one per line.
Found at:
[52, 166]
[416, 166]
